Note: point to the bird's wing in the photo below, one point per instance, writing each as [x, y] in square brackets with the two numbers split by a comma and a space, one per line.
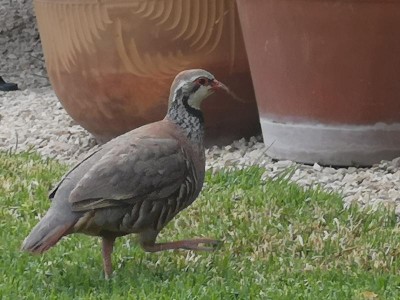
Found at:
[52, 193]
[149, 168]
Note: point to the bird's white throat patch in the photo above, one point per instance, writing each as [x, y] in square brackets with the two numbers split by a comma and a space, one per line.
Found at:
[197, 97]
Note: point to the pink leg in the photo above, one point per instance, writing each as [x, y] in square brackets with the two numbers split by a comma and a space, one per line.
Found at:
[148, 242]
[108, 245]
[184, 244]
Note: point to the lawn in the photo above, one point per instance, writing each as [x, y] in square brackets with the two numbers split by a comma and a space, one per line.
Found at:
[280, 242]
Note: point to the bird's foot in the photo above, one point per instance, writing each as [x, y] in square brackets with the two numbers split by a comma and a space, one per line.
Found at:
[200, 244]
[195, 244]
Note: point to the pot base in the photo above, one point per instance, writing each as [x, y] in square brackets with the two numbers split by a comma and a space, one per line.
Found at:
[336, 145]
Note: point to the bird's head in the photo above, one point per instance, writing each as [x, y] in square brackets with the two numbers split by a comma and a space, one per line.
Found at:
[191, 87]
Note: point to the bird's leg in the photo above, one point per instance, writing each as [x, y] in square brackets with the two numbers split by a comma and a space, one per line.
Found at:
[107, 245]
[184, 244]
[147, 241]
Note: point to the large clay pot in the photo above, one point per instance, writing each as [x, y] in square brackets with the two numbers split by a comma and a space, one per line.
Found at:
[111, 63]
[327, 77]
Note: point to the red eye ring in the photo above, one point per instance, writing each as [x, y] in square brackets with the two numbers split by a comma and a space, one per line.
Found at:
[202, 81]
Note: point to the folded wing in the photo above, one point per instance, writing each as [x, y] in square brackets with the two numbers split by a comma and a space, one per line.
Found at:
[152, 168]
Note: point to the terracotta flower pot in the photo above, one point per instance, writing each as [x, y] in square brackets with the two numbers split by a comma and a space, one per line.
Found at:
[111, 63]
[327, 77]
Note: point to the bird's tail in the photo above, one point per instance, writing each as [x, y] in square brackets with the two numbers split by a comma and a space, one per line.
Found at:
[48, 232]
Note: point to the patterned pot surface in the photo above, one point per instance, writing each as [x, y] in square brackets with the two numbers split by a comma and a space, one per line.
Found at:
[112, 63]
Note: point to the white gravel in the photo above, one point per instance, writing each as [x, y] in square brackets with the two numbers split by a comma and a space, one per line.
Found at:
[35, 119]
[21, 56]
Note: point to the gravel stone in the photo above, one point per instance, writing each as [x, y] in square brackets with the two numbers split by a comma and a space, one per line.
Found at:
[21, 55]
[35, 119]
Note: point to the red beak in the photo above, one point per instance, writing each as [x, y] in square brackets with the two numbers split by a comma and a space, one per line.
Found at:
[216, 85]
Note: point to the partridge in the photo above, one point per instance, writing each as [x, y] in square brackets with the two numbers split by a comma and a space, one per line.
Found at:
[137, 182]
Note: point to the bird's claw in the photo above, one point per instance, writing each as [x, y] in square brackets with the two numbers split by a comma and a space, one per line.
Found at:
[195, 245]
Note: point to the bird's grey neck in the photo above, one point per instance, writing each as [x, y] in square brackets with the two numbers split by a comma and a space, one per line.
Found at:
[188, 118]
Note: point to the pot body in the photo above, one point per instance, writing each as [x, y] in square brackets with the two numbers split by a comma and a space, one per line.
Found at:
[111, 63]
[326, 76]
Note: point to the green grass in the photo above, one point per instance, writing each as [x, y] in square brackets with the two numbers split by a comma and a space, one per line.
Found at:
[280, 242]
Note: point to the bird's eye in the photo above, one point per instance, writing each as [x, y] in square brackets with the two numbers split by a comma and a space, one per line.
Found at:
[202, 81]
